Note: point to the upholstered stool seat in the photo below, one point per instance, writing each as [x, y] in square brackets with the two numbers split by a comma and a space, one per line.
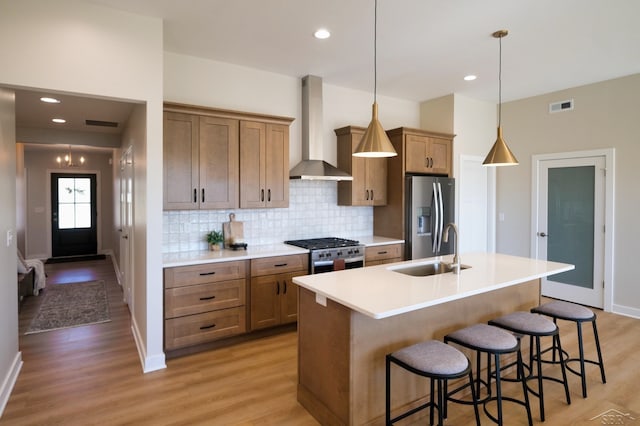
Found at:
[561, 310]
[535, 326]
[439, 363]
[493, 341]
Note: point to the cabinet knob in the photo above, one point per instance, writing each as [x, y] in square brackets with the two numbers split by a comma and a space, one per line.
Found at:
[262, 195]
[366, 194]
[203, 195]
[372, 195]
[269, 195]
[195, 195]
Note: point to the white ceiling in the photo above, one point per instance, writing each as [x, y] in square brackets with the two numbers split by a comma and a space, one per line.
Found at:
[425, 47]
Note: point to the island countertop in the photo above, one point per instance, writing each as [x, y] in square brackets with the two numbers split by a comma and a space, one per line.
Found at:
[380, 292]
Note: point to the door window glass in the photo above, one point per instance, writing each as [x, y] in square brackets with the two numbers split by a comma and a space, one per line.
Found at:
[74, 203]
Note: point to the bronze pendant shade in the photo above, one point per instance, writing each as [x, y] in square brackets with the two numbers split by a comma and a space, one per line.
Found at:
[500, 154]
[375, 142]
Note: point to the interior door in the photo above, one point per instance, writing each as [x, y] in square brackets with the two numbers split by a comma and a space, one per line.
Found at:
[571, 228]
[126, 223]
[74, 214]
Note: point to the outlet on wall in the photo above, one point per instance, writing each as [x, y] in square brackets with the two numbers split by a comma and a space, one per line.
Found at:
[9, 237]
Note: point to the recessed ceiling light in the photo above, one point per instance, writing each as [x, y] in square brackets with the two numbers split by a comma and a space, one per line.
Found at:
[50, 100]
[322, 33]
[59, 120]
[470, 77]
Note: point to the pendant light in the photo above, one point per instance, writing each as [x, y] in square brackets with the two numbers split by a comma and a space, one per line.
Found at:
[500, 154]
[375, 142]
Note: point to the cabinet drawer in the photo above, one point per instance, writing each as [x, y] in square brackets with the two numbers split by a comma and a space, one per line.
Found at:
[200, 298]
[279, 264]
[376, 253]
[201, 328]
[207, 273]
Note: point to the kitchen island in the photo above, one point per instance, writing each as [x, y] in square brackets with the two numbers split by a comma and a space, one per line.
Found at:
[349, 320]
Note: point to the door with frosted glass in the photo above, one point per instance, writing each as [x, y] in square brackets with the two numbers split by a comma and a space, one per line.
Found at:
[571, 227]
[74, 214]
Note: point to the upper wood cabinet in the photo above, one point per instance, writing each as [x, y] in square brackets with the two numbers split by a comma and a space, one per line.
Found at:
[369, 184]
[264, 165]
[426, 154]
[219, 159]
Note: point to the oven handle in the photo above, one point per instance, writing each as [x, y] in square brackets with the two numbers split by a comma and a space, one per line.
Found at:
[330, 262]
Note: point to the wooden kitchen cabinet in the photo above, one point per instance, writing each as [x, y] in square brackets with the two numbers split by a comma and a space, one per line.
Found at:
[369, 184]
[274, 296]
[200, 162]
[388, 253]
[220, 159]
[264, 165]
[419, 152]
[203, 303]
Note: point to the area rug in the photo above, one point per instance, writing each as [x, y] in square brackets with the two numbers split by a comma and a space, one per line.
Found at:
[71, 305]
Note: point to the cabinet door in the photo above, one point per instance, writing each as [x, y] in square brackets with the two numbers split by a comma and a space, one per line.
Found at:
[218, 146]
[377, 181]
[265, 301]
[180, 152]
[416, 154]
[440, 151]
[252, 164]
[277, 166]
[289, 299]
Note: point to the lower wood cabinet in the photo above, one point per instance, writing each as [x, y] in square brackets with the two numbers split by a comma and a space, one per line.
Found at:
[203, 303]
[274, 296]
[377, 255]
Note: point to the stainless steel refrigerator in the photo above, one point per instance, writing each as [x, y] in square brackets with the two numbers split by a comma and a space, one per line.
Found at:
[430, 206]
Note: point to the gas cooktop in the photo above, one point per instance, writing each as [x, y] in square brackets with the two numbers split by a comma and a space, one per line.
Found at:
[323, 243]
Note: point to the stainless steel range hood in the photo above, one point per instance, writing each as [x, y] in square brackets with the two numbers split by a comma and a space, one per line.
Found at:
[312, 167]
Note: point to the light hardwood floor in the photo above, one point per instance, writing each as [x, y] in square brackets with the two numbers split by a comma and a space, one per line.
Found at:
[92, 376]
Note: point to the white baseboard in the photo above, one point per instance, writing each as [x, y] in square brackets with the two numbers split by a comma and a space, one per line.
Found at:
[10, 381]
[149, 363]
[111, 254]
[626, 311]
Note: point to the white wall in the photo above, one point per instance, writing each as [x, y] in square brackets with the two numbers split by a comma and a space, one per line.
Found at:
[197, 81]
[80, 48]
[10, 358]
[605, 116]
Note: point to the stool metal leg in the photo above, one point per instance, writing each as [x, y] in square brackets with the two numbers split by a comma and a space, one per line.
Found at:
[540, 387]
[595, 335]
[581, 354]
[431, 401]
[525, 391]
[474, 398]
[499, 390]
[563, 368]
[388, 392]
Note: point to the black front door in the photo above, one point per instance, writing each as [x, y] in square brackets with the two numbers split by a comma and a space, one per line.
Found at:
[74, 214]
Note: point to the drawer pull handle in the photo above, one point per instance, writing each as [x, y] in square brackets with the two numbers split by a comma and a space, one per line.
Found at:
[279, 265]
[382, 252]
[206, 273]
[206, 327]
[207, 298]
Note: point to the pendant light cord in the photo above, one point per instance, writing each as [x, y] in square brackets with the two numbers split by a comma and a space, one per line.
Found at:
[375, 44]
[500, 85]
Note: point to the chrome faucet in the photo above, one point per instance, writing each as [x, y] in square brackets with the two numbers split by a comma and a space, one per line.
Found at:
[445, 238]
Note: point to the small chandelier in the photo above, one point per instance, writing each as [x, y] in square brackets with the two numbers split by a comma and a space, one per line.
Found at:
[375, 142]
[67, 160]
[500, 154]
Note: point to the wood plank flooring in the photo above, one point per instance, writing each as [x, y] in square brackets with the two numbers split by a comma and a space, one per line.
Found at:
[91, 375]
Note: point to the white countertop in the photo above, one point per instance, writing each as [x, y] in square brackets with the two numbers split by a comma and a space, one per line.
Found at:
[379, 292]
[252, 252]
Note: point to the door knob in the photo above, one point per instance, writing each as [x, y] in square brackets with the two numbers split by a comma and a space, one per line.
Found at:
[126, 237]
[542, 234]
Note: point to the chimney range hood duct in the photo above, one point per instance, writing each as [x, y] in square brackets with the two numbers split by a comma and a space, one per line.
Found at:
[308, 168]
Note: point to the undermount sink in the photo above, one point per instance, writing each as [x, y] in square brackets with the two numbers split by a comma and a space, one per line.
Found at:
[427, 269]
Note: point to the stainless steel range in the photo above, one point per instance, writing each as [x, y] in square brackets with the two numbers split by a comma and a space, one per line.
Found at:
[331, 254]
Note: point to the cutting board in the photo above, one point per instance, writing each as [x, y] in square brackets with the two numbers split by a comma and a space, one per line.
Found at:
[233, 231]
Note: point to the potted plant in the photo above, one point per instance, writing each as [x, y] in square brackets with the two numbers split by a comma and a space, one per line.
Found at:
[215, 240]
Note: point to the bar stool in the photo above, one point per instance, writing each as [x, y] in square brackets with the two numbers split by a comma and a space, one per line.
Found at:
[535, 326]
[493, 341]
[567, 311]
[439, 363]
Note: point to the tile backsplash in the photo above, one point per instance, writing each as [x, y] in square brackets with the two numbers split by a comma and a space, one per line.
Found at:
[312, 213]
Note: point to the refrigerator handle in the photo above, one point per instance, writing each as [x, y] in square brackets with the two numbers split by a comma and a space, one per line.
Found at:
[441, 217]
[434, 232]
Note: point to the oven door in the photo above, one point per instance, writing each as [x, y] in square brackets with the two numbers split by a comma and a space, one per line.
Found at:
[321, 266]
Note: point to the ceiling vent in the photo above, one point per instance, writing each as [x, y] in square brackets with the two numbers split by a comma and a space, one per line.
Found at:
[100, 123]
[561, 106]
